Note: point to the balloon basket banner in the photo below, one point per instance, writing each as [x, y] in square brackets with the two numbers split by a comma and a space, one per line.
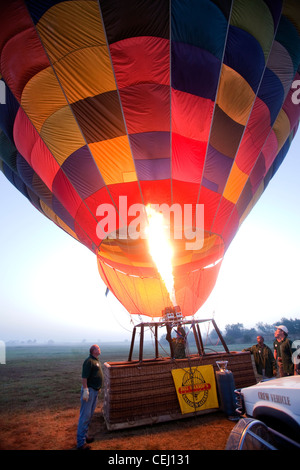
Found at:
[143, 392]
[196, 388]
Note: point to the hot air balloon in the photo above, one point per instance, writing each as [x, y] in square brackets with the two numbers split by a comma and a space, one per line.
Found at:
[113, 105]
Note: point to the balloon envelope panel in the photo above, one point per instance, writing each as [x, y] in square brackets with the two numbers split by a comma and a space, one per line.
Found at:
[176, 103]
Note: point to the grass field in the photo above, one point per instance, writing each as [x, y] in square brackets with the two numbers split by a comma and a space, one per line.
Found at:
[39, 406]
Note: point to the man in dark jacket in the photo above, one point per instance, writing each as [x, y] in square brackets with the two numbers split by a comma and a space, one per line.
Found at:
[177, 344]
[263, 358]
[92, 379]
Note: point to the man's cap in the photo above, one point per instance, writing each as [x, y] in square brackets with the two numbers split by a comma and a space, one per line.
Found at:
[283, 328]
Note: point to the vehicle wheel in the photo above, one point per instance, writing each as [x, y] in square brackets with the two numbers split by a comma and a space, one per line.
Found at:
[249, 434]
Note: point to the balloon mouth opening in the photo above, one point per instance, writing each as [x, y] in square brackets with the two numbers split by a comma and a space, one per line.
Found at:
[205, 250]
[130, 273]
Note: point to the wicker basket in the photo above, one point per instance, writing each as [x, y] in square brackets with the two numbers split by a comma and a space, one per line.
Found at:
[138, 393]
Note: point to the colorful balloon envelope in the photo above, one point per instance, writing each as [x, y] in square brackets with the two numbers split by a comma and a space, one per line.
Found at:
[112, 105]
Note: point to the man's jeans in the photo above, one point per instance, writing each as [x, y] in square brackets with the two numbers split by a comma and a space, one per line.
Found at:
[86, 413]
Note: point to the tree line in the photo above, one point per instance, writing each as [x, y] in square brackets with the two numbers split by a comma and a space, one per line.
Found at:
[237, 333]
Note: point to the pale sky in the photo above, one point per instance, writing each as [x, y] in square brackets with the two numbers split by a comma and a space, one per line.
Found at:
[50, 287]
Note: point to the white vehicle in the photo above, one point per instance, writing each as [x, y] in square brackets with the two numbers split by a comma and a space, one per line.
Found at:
[272, 412]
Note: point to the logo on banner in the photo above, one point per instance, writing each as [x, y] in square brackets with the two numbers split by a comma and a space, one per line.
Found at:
[196, 388]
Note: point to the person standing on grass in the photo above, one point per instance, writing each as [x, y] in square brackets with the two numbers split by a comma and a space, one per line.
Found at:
[92, 380]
